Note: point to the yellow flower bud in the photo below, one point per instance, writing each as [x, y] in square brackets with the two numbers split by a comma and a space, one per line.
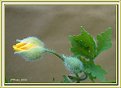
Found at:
[30, 48]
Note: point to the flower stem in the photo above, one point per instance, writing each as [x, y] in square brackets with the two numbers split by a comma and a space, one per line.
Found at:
[56, 54]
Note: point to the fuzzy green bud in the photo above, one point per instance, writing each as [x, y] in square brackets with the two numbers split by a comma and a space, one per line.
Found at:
[73, 64]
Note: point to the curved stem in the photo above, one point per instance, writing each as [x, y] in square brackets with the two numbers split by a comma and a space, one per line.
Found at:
[56, 54]
[84, 77]
[79, 78]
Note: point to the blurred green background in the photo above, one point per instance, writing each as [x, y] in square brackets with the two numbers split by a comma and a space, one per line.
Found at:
[53, 24]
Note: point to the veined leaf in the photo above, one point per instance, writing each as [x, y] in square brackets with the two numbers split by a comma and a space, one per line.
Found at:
[95, 71]
[85, 48]
[83, 44]
[104, 40]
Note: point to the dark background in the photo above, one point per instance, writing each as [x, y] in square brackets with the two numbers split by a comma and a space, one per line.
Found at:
[53, 25]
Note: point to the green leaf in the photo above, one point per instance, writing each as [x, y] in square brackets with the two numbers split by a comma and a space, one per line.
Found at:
[94, 71]
[92, 78]
[104, 40]
[85, 48]
[83, 44]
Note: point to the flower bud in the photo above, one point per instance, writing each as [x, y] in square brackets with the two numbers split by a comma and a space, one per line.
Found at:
[30, 48]
[73, 64]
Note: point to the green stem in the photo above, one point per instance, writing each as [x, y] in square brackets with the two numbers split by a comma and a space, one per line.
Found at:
[56, 54]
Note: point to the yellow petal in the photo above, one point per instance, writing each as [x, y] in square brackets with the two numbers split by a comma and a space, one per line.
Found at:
[27, 46]
[16, 48]
[20, 44]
